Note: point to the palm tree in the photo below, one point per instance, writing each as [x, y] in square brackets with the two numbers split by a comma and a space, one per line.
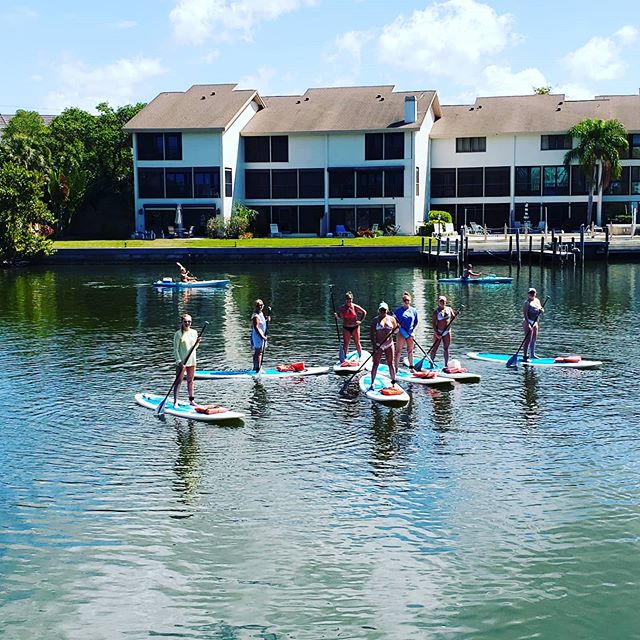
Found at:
[598, 154]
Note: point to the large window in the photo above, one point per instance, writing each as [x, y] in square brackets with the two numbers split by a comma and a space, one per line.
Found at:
[470, 145]
[497, 181]
[266, 149]
[151, 183]
[159, 146]
[311, 183]
[578, 181]
[634, 146]
[228, 182]
[384, 146]
[555, 142]
[443, 183]
[394, 183]
[619, 187]
[257, 184]
[527, 181]
[362, 217]
[206, 182]
[470, 182]
[555, 181]
[342, 183]
[635, 180]
[369, 183]
[178, 183]
[284, 183]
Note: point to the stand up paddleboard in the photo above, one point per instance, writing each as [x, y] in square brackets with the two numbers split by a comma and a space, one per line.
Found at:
[263, 374]
[207, 413]
[351, 363]
[480, 280]
[168, 283]
[439, 368]
[428, 378]
[399, 398]
[567, 362]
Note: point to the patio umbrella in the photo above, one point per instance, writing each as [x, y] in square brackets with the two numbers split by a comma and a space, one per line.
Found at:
[178, 219]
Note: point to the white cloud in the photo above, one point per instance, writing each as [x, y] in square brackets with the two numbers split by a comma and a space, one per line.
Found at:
[194, 21]
[346, 50]
[602, 57]
[261, 81]
[574, 91]
[211, 56]
[125, 24]
[18, 14]
[80, 85]
[447, 38]
[502, 81]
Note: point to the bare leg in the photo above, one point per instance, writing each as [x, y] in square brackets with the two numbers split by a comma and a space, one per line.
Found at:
[177, 383]
[191, 372]
[527, 338]
[356, 340]
[399, 346]
[390, 356]
[532, 343]
[446, 341]
[410, 342]
[346, 338]
[377, 356]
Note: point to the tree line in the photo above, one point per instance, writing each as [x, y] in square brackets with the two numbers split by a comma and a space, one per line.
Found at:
[72, 178]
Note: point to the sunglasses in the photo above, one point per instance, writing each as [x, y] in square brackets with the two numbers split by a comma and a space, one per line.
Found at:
[186, 321]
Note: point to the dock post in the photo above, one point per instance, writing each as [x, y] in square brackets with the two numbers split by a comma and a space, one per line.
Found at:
[541, 250]
[606, 242]
[554, 249]
[511, 248]
[422, 244]
[530, 249]
[438, 253]
[518, 256]
[429, 252]
[465, 253]
[582, 243]
[448, 245]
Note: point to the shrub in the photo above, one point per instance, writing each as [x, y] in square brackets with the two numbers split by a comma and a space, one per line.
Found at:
[436, 216]
[216, 227]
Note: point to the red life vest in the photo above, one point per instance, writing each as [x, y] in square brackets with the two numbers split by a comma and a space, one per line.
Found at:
[296, 366]
[210, 409]
[572, 359]
[391, 391]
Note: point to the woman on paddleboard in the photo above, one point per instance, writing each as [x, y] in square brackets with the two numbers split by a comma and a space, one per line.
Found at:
[408, 318]
[441, 321]
[531, 310]
[382, 330]
[352, 315]
[259, 324]
[183, 339]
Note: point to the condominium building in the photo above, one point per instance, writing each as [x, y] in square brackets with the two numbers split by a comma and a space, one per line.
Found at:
[356, 157]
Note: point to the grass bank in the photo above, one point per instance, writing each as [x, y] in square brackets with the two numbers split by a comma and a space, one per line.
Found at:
[255, 243]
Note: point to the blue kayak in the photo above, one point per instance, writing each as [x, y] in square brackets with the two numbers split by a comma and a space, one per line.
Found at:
[480, 280]
[573, 362]
[168, 283]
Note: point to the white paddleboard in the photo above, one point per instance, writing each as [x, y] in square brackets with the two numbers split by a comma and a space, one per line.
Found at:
[503, 358]
[382, 382]
[263, 374]
[427, 378]
[152, 401]
[463, 376]
[352, 363]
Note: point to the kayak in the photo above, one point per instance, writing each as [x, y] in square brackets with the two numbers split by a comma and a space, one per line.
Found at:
[573, 362]
[246, 374]
[480, 280]
[382, 382]
[418, 377]
[351, 363]
[198, 284]
[460, 376]
[207, 413]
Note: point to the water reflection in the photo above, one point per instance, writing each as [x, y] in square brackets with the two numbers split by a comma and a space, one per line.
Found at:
[186, 465]
[530, 396]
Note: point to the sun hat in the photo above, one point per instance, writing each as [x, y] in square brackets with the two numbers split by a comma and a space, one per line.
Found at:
[383, 305]
[532, 290]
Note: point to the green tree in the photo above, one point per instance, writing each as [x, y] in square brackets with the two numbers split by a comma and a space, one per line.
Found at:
[25, 142]
[542, 91]
[598, 154]
[24, 217]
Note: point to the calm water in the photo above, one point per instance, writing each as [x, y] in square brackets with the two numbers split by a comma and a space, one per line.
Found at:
[508, 509]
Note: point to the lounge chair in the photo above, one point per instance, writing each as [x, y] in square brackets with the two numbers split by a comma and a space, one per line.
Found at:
[171, 231]
[476, 228]
[274, 232]
[341, 232]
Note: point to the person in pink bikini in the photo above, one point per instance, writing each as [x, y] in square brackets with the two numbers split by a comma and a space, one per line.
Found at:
[352, 316]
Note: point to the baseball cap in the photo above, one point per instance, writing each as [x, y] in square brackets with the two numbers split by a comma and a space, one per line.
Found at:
[532, 290]
[383, 305]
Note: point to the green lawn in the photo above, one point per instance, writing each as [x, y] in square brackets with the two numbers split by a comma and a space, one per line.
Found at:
[257, 243]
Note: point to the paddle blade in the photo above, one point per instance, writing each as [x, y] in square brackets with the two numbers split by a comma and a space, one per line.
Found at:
[512, 362]
[418, 365]
[342, 355]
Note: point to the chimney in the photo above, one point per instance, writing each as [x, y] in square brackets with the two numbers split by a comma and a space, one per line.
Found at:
[410, 109]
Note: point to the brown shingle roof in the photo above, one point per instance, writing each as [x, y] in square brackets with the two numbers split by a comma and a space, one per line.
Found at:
[5, 117]
[532, 114]
[339, 109]
[203, 106]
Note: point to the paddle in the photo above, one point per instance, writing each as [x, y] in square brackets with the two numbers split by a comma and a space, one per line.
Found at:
[187, 272]
[342, 355]
[344, 386]
[160, 410]
[418, 366]
[513, 360]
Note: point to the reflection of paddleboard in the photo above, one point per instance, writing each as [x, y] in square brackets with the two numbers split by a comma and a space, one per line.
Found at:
[376, 394]
[462, 376]
[220, 414]
[481, 280]
[198, 284]
[351, 363]
[216, 374]
[572, 362]
[432, 379]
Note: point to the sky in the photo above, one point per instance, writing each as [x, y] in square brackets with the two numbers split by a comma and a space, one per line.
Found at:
[72, 53]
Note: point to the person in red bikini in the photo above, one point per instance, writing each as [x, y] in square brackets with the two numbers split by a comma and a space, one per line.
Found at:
[352, 317]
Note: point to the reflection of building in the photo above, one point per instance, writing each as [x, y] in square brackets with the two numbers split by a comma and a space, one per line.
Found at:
[338, 156]
[361, 156]
[492, 158]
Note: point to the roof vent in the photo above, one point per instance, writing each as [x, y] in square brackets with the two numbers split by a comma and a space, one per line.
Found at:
[306, 99]
[558, 108]
[378, 96]
[470, 108]
[203, 98]
[213, 93]
[297, 101]
[560, 103]
[381, 99]
[479, 106]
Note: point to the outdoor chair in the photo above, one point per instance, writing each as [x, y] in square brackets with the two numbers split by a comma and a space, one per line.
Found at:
[274, 232]
[476, 228]
[171, 231]
[341, 232]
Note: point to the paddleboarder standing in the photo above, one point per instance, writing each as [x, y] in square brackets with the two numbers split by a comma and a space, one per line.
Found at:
[531, 310]
[382, 330]
[259, 324]
[408, 319]
[441, 321]
[352, 315]
[183, 340]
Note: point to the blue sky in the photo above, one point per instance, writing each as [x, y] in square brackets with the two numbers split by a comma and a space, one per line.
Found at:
[72, 53]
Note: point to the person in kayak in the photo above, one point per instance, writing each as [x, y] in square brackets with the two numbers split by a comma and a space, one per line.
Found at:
[408, 319]
[441, 322]
[183, 339]
[352, 315]
[381, 332]
[468, 272]
[531, 310]
[184, 274]
[259, 325]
